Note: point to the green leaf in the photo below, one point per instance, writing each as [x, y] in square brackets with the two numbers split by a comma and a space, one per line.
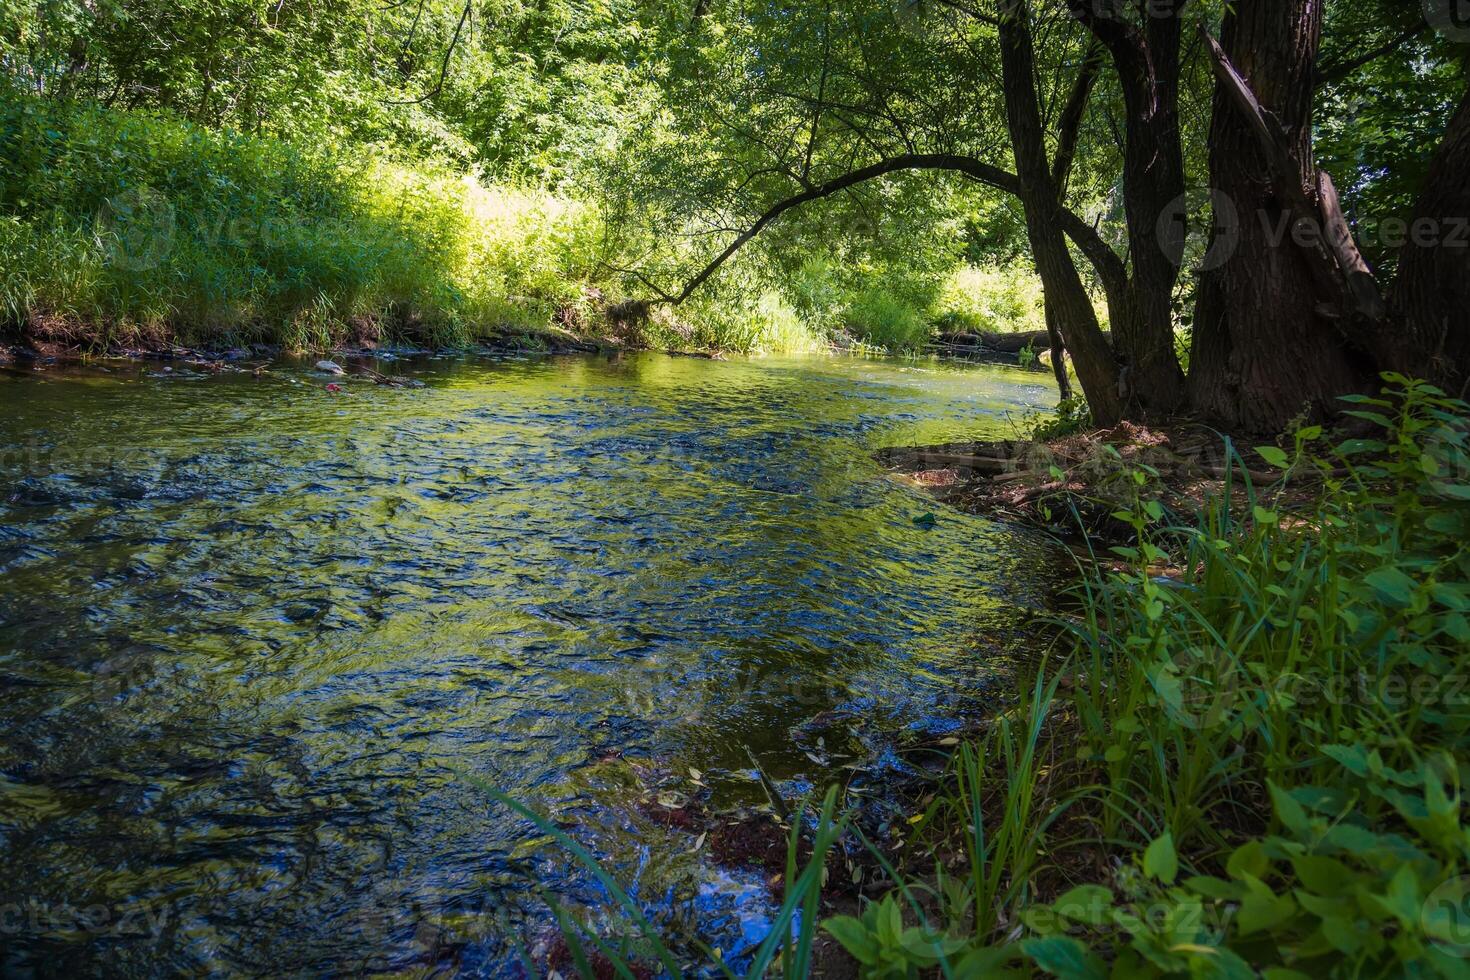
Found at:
[1289, 811]
[889, 923]
[1353, 758]
[1402, 899]
[854, 937]
[1261, 912]
[1062, 956]
[1091, 904]
[1273, 455]
[1376, 418]
[986, 962]
[1248, 859]
[1323, 875]
[1160, 861]
[1216, 888]
[1391, 585]
[1359, 447]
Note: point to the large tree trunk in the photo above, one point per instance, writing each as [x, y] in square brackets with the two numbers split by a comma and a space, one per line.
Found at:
[1263, 354]
[1147, 63]
[1433, 288]
[1066, 297]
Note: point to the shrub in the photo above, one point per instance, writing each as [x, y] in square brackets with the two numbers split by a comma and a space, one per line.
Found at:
[1278, 734]
[992, 299]
[133, 222]
[881, 318]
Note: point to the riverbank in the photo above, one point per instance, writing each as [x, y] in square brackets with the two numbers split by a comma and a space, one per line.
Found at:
[1074, 485]
[81, 341]
[1240, 752]
[136, 230]
[1223, 744]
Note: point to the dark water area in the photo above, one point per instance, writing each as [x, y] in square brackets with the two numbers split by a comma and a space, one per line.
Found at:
[260, 641]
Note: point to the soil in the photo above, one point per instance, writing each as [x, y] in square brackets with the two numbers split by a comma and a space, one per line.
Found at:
[1075, 485]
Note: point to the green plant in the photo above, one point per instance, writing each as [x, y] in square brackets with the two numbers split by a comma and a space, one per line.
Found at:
[884, 319]
[1276, 732]
[991, 299]
[1071, 417]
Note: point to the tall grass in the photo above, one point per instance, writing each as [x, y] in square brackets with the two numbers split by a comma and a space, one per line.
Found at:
[119, 226]
[882, 317]
[1254, 762]
[146, 224]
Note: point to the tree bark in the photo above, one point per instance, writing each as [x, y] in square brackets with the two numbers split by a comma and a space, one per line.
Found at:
[1433, 288]
[1262, 354]
[1148, 66]
[1058, 345]
[1066, 297]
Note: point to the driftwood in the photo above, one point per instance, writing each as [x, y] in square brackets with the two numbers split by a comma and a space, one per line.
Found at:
[996, 343]
[1004, 343]
[989, 464]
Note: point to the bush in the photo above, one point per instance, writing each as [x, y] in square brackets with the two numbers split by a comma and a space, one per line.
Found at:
[142, 223]
[881, 318]
[991, 299]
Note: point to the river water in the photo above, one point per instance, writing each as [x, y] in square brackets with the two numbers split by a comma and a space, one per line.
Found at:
[260, 642]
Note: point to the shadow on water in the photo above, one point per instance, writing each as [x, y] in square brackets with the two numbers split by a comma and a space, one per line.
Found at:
[253, 634]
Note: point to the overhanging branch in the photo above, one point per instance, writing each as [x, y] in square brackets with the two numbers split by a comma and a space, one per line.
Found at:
[968, 166]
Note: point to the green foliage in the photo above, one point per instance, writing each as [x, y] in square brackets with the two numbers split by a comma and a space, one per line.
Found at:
[884, 947]
[880, 318]
[1279, 733]
[149, 224]
[144, 224]
[1071, 417]
[991, 299]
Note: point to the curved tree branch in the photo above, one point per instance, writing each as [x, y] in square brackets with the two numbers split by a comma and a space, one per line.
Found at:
[968, 166]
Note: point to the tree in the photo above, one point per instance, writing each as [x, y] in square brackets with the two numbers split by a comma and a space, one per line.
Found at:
[1295, 318]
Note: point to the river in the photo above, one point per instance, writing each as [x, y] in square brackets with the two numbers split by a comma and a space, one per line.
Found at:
[257, 637]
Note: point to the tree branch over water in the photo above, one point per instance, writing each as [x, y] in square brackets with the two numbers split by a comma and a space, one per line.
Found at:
[974, 169]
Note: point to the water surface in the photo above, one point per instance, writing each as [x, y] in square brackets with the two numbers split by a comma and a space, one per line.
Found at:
[257, 637]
